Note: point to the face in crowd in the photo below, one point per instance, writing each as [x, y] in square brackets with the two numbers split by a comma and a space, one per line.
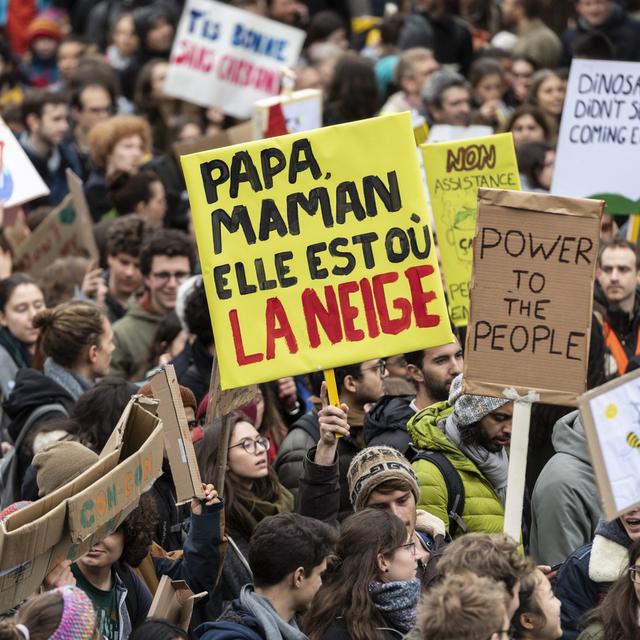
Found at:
[166, 275]
[25, 301]
[494, 430]
[440, 366]
[618, 276]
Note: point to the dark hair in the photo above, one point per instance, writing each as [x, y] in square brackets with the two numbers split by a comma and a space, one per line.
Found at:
[76, 95]
[127, 191]
[9, 284]
[127, 234]
[353, 91]
[282, 543]
[272, 423]
[531, 8]
[345, 587]
[158, 629]
[138, 529]
[267, 488]
[593, 45]
[484, 67]
[196, 314]
[166, 332]
[322, 25]
[618, 612]
[528, 110]
[528, 605]
[391, 28]
[531, 158]
[620, 243]
[353, 370]
[41, 614]
[416, 358]
[437, 83]
[36, 100]
[166, 242]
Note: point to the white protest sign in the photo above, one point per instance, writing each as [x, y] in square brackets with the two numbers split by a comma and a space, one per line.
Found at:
[19, 181]
[228, 58]
[611, 418]
[599, 138]
[293, 113]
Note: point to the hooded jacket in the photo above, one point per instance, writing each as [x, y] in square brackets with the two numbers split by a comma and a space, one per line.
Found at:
[133, 336]
[483, 512]
[588, 572]
[565, 504]
[622, 32]
[386, 423]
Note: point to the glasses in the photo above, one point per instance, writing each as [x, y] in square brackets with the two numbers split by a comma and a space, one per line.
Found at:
[381, 367]
[164, 276]
[192, 424]
[410, 547]
[251, 446]
[634, 574]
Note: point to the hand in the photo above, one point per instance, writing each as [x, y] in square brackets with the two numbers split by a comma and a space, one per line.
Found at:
[91, 281]
[5, 447]
[333, 423]
[288, 393]
[210, 497]
[303, 12]
[61, 576]
[550, 572]
[489, 109]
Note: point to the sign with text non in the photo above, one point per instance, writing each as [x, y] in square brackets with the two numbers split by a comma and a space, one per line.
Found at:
[316, 250]
[228, 58]
[534, 259]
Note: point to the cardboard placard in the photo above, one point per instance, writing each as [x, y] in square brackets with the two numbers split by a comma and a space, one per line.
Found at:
[534, 259]
[450, 133]
[611, 418]
[316, 250]
[233, 135]
[455, 171]
[66, 231]
[66, 523]
[597, 147]
[287, 113]
[177, 437]
[174, 602]
[19, 180]
[228, 58]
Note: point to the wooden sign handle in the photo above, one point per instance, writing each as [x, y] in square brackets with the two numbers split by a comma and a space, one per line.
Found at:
[332, 389]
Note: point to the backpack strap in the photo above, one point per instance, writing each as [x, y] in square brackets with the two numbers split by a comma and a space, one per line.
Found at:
[34, 416]
[309, 424]
[454, 484]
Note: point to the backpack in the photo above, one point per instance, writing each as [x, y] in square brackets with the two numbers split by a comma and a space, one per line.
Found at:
[453, 482]
[10, 487]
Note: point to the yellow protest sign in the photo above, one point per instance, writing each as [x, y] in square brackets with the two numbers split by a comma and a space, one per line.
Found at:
[455, 171]
[316, 250]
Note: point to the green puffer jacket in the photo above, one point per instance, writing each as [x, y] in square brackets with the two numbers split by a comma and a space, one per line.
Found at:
[483, 512]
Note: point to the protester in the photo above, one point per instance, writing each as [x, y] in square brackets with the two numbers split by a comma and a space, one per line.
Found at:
[536, 162]
[447, 98]
[488, 82]
[519, 79]
[547, 91]
[141, 193]
[538, 616]
[158, 629]
[370, 590]
[527, 124]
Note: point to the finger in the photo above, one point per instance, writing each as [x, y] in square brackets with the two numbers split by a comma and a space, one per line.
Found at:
[324, 396]
[338, 430]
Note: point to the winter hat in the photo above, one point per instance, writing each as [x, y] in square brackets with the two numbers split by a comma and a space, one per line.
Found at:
[43, 26]
[61, 463]
[188, 399]
[373, 466]
[470, 409]
[78, 619]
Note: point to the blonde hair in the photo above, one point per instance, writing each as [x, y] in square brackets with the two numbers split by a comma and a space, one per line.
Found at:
[105, 135]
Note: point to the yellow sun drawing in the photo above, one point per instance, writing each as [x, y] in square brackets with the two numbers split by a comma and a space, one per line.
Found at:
[611, 411]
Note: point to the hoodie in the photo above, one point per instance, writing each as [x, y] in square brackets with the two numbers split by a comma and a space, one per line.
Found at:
[565, 504]
[587, 574]
[386, 422]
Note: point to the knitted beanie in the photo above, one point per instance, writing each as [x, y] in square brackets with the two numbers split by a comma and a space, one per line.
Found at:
[188, 399]
[78, 616]
[61, 463]
[471, 409]
[44, 27]
[373, 466]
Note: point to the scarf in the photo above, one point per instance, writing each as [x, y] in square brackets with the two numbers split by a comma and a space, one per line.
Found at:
[274, 627]
[17, 350]
[73, 384]
[397, 602]
[494, 466]
[253, 509]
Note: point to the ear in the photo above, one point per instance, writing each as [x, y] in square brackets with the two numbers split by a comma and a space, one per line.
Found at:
[350, 384]
[140, 207]
[382, 563]
[297, 578]
[33, 123]
[408, 84]
[527, 621]
[415, 373]
[92, 353]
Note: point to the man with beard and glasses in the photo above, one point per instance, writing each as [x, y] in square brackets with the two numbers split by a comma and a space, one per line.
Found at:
[471, 432]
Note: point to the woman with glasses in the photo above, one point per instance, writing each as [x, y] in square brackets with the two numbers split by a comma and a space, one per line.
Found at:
[370, 591]
[538, 616]
[618, 616]
[251, 493]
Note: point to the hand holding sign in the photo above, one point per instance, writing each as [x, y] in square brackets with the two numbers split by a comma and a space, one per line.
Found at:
[333, 425]
[210, 498]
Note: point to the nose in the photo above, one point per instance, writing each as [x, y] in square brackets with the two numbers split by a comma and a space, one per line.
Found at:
[455, 366]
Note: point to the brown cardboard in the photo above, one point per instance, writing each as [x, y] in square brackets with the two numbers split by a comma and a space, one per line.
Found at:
[84, 215]
[174, 602]
[177, 437]
[242, 132]
[65, 524]
[603, 479]
[555, 305]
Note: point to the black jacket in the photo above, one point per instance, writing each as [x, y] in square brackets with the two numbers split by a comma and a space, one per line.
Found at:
[172, 519]
[197, 373]
[338, 631]
[386, 423]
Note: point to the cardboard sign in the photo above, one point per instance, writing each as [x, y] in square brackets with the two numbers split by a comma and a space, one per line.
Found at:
[177, 437]
[294, 113]
[66, 523]
[66, 231]
[611, 418]
[233, 135]
[597, 148]
[455, 171]
[19, 180]
[450, 133]
[174, 602]
[228, 58]
[534, 259]
[316, 250]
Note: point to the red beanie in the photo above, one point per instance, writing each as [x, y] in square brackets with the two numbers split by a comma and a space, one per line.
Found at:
[43, 27]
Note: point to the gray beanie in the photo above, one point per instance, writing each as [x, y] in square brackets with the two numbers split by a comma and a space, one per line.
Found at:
[471, 409]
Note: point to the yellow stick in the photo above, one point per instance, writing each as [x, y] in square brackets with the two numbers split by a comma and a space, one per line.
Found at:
[332, 389]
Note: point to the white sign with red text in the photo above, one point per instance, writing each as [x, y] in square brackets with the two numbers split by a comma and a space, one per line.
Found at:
[228, 58]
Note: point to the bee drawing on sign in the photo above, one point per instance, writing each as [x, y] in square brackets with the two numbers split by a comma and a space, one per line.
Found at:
[633, 440]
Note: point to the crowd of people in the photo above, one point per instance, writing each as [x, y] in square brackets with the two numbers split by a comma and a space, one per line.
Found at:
[379, 518]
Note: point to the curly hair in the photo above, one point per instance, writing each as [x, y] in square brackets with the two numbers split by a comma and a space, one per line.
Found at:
[138, 528]
[105, 135]
[166, 242]
[127, 234]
